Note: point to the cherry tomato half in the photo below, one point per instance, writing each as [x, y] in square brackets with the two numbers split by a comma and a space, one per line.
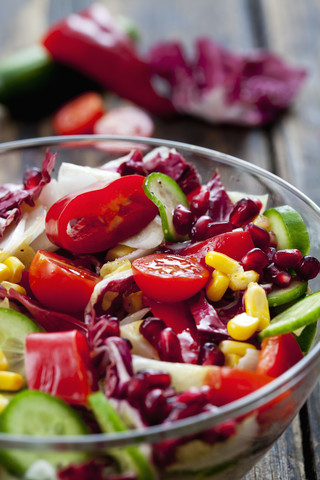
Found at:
[100, 216]
[78, 115]
[58, 284]
[169, 278]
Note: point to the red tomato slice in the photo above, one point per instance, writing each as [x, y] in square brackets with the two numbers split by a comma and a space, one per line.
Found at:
[126, 121]
[99, 217]
[58, 284]
[234, 244]
[229, 384]
[59, 363]
[178, 317]
[278, 354]
[79, 115]
[169, 278]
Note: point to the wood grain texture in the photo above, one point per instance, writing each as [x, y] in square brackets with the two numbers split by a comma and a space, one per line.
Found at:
[293, 33]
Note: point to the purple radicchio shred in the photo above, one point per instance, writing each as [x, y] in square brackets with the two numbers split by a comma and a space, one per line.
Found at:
[119, 368]
[207, 320]
[117, 286]
[133, 165]
[12, 195]
[220, 205]
[173, 164]
[49, 320]
[225, 87]
[99, 329]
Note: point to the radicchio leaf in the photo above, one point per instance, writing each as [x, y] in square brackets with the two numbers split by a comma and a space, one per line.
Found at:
[221, 86]
[209, 325]
[49, 320]
[119, 369]
[12, 195]
[173, 164]
[220, 205]
[107, 294]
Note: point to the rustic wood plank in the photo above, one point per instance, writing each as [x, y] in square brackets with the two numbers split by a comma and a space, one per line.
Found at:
[312, 415]
[284, 461]
[293, 33]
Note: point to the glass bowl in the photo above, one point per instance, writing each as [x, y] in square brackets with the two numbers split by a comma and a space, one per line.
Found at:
[260, 417]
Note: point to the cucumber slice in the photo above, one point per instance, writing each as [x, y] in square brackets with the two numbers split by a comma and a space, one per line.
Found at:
[166, 194]
[37, 413]
[14, 327]
[289, 228]
[280, 296]
[305, 337]
[302, 313]
[129, 458]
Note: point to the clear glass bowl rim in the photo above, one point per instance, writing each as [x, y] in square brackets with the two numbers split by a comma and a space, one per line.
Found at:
[196, 423]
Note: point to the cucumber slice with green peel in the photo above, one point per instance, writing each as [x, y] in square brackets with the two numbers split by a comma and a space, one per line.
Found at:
[281, 296]
[166, 194]
[301, 314]
[306, 336]
[36, 413]
[14, 327]
[129, 458]
[289, 228]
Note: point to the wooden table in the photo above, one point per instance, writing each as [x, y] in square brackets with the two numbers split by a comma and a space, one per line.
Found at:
[290, 147]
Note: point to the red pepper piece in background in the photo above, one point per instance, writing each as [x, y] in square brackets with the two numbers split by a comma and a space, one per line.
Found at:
[234, 244]
[278, 354]
[59, 364]
[229, 384]
[92, 43]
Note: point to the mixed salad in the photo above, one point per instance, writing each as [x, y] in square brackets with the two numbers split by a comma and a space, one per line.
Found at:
[133, 295]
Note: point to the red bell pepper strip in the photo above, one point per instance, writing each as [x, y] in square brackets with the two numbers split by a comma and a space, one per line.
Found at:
[59, 364]
[92, 43]
[99, 217]
[178, 317]
[229, 384]
[278, 354]
[234, 244]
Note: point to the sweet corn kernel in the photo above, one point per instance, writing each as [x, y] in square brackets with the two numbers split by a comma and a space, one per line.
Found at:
[133, 302]
[4, 272]
[3, 402]
[231, 359]
[118, 251]
[241, 279]
[256, 304]
[221, 262]
[10, 381]
[217, 286]
[3, 361]
[232, 346]
[16, 268]
[15, 286]
[242, 326]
